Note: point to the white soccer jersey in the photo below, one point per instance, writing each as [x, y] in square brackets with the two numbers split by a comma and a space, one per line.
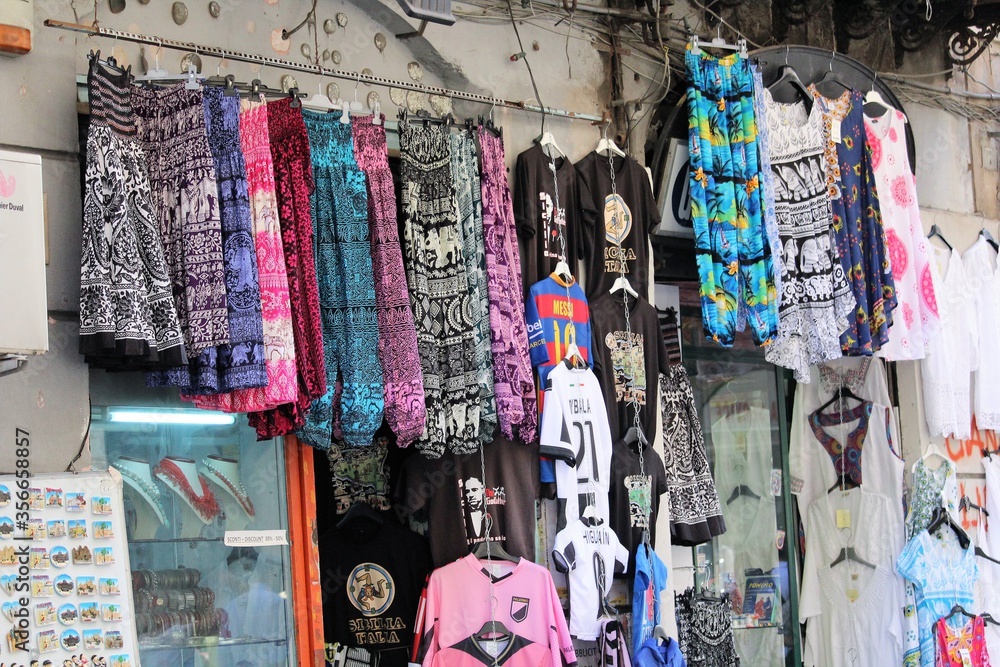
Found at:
[575, 432]
[590, 553]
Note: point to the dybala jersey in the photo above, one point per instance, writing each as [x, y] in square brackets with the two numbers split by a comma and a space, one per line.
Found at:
[575, 432]
[458, 606]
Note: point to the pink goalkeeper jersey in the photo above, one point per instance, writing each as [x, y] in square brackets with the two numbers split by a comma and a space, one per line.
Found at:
[458, 606]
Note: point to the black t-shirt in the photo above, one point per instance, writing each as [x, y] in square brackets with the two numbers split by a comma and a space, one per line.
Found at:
[450, 492]
[610, 349]
[598, 244]
[627, 490]
[372, 576]
[534, 206]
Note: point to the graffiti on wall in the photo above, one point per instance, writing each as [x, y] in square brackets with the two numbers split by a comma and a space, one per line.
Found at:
[967, 455]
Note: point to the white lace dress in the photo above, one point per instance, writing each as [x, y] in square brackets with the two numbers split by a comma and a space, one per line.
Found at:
[816, 299]
[952, 354]
[983, 274]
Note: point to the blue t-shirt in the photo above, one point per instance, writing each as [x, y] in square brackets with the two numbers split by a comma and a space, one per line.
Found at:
[654, 654]
[650, 580]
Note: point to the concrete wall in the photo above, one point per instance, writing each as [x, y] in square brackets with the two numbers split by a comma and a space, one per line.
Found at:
[39, 93]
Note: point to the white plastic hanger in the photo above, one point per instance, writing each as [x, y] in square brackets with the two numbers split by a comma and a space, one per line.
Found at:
[562, 270]
[156, 72]
[192, 82]
[377, 114]
[548, 141]
[719, 43]
[933, 450]
[345, 116]
[574, 356]
[605, 146]
[319, 101]
[623, 284]
[357, 106]
[875, 98]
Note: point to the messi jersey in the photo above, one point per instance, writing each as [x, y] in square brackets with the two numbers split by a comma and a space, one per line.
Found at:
[554, 321]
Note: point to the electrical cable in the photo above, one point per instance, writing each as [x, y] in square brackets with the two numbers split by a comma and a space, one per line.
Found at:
[524, 56]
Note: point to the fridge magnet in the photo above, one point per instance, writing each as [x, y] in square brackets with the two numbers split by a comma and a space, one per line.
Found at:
[109, 586]
[36, 499]
[45, 613]
[6, 527]
[47, 641]
[8, 609]
[53, 499]
[4, 495]
[113, 640]
[104, 556]
[89, 613]
[35, 530]
[68, 615]
[70, 640]
[120, 661]
[85, 586]
[56, 528]
[82, 555]
[38, 558]
[77, 529]
[103, 530]
[7, 582]
[64, 585]
[92, 640]
[76, 502]
[8, 556]
[111, 613]
[59, 556]
[41, 586]
[101, 505]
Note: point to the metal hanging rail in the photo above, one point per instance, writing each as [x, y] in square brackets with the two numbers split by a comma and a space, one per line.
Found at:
[239, 56]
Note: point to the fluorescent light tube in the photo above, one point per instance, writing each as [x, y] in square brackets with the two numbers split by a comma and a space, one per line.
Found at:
[177, 417]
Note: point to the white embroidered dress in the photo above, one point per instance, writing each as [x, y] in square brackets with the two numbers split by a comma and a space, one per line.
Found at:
[983, 275]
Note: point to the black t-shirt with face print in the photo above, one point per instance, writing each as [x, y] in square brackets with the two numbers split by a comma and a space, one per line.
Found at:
[461, 508]
[538, 224]
[625, 220]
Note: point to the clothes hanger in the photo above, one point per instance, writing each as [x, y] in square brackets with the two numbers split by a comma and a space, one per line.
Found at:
[933, 450]
[605, 146]
[157, 72]
[358, 511]
[788, 76]
[623, 284]
[356, 106]
[965, 503]
[573, 358]
[941, 518]
[982, 554]
[988, 618]
[493, 631]
[936, 231]
[192, 82]
[634, 435]
[742, 490]
[839, 395]
[487, 122]
[319, 101]
[985, 233]
[849, 554]
[843, 483]
[874, 99]
[547, 141]
[831, 77]
[496, 552]
[719, 43]
[959, 609]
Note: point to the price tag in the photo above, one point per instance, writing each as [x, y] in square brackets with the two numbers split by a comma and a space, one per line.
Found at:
[835, 133]
[966, 657]
[843, 519]
[852, 594]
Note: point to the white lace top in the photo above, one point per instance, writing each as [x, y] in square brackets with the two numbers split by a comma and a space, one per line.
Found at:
[953, 353]
[816, 299]
[983, 274]
[915, 320]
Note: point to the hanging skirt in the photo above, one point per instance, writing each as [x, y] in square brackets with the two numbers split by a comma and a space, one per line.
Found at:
[517, 405]
[468, 194]
[128, 318]
[435, 271]
[732, 249]
[339, 208]
[397, 340]
[276, 313]
[240, 364]
[171, 128]
[293, 185]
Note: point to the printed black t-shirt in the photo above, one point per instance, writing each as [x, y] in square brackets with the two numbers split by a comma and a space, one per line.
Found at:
[450, 492]
[614, 368]
[629, 491]
[538, 224]
[372, 576]
[628, 223]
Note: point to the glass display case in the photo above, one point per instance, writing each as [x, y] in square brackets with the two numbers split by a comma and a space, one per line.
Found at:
[742, 403]
[206, 520]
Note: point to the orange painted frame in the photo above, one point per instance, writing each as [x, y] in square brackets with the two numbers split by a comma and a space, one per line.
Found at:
[307, 595]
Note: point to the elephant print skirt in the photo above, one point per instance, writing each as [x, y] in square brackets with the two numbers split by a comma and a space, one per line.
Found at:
[735, 266]
[816, 299]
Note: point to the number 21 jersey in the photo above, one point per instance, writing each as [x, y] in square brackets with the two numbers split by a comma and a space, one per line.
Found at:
[576, 433]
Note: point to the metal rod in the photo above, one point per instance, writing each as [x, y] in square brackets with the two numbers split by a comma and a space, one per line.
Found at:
[239, 56]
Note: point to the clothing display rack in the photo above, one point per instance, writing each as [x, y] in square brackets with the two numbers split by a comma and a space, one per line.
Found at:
[240, 56]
